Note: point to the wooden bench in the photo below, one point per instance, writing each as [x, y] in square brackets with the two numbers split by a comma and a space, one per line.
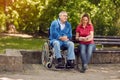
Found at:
[107, 50]
[107, 41]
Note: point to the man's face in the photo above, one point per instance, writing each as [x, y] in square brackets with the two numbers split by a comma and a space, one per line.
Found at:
[63, 17]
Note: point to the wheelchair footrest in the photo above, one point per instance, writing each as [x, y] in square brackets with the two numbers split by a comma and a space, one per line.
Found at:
[69, 67]
[61, 67]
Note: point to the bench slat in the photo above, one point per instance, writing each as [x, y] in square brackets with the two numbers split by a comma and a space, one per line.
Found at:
[108, 43]
[104, 39]
[108, 37]
[107, 51]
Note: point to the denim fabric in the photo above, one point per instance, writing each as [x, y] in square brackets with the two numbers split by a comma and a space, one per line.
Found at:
[86, 51]
[70, 49]
[56, 32]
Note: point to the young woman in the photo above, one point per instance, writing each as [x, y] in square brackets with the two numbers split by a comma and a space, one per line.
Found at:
[85, 35]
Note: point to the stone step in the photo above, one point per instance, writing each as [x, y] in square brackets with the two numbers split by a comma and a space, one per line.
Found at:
[11, 60]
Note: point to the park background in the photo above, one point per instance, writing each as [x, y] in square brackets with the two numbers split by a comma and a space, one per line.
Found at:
[34, 17]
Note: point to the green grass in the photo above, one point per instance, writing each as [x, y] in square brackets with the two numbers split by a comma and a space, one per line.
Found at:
[20, 43]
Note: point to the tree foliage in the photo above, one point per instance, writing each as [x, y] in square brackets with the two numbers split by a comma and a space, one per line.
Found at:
[32, 16]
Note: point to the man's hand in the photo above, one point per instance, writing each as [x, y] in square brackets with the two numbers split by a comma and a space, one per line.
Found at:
[64, 38]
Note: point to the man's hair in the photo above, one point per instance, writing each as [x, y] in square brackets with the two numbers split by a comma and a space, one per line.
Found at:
[62, 13]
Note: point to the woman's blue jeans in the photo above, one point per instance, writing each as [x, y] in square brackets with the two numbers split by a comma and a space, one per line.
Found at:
[86, 51]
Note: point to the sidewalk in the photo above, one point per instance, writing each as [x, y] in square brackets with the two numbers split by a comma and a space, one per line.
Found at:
[38, 72]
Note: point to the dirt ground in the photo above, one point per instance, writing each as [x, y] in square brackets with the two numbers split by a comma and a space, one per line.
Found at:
[38, 72]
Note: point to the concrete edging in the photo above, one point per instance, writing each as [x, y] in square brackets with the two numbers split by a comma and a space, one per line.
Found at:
[11, 60]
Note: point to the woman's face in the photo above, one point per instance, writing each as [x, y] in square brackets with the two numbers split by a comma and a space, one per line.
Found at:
[84, 20]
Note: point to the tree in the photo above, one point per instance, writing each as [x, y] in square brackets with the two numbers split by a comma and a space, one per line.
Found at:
[32, 16]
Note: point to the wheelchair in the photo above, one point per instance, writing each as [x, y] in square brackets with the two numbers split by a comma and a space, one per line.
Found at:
[48, 55]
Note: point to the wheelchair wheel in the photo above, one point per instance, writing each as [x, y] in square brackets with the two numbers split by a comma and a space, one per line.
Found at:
[45, 54]
[46, 60]
[48, 65]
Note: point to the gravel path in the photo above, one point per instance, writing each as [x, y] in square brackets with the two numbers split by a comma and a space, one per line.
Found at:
[38, 72]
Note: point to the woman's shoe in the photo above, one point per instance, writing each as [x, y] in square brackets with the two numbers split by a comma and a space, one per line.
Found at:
[85, 66]
[82, 70]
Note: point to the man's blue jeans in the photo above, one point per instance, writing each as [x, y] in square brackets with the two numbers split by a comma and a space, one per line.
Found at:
[86, 51]
[70, 49]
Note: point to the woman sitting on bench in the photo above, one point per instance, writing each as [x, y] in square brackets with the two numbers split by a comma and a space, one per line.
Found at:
[85, 35]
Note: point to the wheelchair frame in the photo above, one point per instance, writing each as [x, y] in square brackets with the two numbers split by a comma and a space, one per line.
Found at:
[48, 55]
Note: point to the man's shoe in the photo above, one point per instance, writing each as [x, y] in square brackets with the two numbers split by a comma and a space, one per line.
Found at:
[70, 64]
[59, 65]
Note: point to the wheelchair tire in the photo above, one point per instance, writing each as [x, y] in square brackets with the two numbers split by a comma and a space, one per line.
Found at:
[48, 65]
[45, 54]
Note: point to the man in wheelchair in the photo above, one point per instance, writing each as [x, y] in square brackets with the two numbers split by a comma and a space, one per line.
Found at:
[60, 36]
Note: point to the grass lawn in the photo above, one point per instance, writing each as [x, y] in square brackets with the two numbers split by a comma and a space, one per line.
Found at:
[8, 42]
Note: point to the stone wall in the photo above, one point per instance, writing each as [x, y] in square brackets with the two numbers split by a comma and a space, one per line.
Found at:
[11, 61]
[14, 60]
[105, 58]
[3, 62]
[31, 57]
[102, 58]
